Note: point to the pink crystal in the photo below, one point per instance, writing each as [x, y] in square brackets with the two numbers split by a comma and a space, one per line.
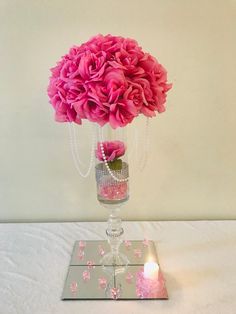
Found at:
[116, 191]
[115, 293]
[73, 287]
[127, 244]
[129, 277]
[138, 253]
[90, 264]
[102, 282]
[150, 288]
[145, 242]
[82, 245]
[86, 275]
[101, 250]
[80, 254]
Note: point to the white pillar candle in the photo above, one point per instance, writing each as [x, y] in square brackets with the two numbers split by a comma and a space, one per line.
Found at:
[151, 270]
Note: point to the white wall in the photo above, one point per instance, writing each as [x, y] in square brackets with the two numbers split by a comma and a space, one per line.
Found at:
[191, 172]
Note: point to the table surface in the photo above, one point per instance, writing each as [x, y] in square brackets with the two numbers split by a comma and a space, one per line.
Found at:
[198, 259]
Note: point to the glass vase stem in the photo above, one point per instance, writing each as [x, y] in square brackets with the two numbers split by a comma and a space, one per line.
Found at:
[114, 232]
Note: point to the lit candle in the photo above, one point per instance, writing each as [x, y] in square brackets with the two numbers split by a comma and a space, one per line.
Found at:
[151, 270]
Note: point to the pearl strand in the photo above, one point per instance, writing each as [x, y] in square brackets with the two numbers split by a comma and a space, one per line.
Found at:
[133, 149]
[75, 146]
[140, 145]
[75, 154]
[106, 162]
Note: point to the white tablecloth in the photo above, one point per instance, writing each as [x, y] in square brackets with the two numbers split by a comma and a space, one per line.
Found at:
[198, 259]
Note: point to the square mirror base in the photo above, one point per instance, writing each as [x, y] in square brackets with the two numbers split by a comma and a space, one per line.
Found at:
[91, 282]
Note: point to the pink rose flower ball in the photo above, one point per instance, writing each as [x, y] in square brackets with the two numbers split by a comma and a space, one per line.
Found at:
[112, 150]
[108, 79]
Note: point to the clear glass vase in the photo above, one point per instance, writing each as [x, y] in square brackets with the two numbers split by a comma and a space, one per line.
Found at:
[112, 173]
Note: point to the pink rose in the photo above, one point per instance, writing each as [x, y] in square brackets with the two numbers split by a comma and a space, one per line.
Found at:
[91, 66]
[116, 84]
[122, 113]
[112, 150]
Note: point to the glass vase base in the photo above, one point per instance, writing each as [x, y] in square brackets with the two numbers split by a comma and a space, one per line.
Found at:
[120, 261]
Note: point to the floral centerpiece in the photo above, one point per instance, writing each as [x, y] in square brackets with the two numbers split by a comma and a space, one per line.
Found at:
[108, 80]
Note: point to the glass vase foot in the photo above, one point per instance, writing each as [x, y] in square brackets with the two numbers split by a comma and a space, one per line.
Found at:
[117, 263]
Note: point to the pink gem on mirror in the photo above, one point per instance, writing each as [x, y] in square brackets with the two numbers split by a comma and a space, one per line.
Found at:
[90, 264]
[102, 282]
[127, 244]
[150, 288]
[138, 253]
[86, 275]
[101, 250]
[80, 254]
[145, 242]
[115, 293]
[129, 278]
[73, 287]
[82, 245]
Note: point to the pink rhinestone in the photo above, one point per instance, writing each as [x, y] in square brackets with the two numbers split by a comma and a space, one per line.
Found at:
[115, 293]
[90, 265]
[127, 244]
[138, 253]
[102, 282]
[129, 277]
[86, 275]
[145, 242]
[117, 191]
[73, 287]
[80, 254]
[101, 250]
[82, 245]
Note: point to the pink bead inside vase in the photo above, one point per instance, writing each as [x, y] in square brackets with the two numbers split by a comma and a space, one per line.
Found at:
[112, 184]
[117, 191]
